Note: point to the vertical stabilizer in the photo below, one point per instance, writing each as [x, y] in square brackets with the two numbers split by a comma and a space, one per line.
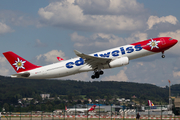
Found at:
[18, 63]
[150, 103]
[92, 108]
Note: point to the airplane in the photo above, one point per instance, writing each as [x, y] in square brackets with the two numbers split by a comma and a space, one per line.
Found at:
[156, 108]
[115, 57]
[82, 110]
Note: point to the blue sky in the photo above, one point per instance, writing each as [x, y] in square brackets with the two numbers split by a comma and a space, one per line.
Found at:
[39, 31]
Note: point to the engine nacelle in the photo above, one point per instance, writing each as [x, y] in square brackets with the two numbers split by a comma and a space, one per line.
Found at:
[119, 62]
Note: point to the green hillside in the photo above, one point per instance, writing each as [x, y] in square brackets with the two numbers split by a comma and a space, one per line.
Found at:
[11, 89]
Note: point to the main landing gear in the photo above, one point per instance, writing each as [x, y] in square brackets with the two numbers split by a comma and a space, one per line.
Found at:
[163, 56]
[97, 74]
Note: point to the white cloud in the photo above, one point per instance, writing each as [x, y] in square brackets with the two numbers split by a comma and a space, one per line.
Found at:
[108, 40]
[176, 74]
[45, 14]
[121, 76]
[136, 36]
[96, 40]
[50, 57]
[112, 7]
[105, 41]
[153, 20]
[4, 28]
[69, 15]
[77, 38]
[4, 67]
[38, 43]
[140, 36]
[175, 35]
[63, 12]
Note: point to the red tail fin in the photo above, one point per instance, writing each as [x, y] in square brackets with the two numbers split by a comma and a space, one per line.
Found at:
[150, 103]
[18, 63]
[92, 108]
[60, 59]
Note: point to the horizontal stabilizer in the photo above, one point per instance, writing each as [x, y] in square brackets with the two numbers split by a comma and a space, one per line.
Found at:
[19, 75]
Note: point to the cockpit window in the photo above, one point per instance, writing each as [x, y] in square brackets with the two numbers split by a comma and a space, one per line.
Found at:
[170, 38]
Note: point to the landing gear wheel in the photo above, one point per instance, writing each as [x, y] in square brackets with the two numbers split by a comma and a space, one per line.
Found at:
[101, 72]
[96, 73]
[93, 76]
[97, 76]
[163, 56]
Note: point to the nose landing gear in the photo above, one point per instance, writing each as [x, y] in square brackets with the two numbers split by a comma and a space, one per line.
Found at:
[163, 56]
[97, 74]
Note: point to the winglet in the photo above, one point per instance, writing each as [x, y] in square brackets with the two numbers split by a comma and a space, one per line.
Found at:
[85, 56]
[77, 52]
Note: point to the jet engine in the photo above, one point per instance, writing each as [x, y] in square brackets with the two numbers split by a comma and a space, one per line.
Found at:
[119, 62]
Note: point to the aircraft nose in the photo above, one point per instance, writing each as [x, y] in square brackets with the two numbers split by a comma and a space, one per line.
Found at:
[173, 41]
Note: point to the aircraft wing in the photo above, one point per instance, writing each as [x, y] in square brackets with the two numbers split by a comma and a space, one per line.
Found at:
[92, 61]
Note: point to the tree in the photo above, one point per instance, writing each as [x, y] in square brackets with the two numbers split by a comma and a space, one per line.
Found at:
[6, 107]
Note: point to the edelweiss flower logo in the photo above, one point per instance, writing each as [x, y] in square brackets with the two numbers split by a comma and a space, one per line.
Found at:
[19, 64]
[153, 44]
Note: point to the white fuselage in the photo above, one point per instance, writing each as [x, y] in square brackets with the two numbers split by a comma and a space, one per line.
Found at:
[77, 110]
[60, 69]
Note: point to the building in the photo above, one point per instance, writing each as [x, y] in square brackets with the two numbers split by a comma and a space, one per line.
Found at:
[45, 96]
